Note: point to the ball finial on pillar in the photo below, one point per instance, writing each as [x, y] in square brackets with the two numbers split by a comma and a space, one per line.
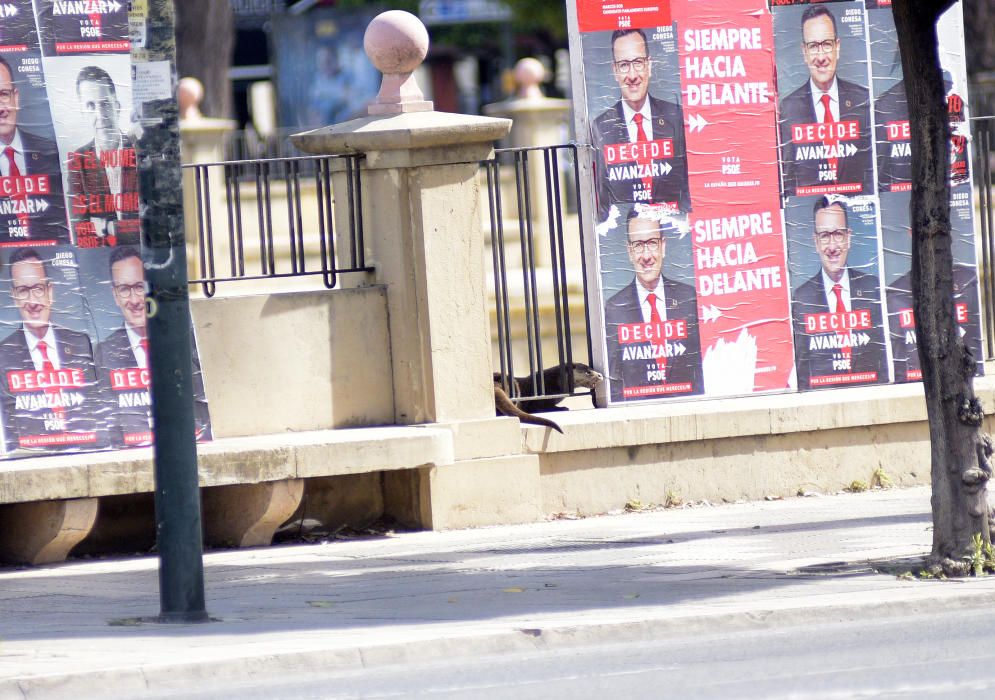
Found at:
[529, 74]
[189, 94]
[397, 42]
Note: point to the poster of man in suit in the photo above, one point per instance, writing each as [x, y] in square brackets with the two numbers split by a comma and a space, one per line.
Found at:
[825, 120]
[836, 293]
[637, 123]
[113, 282]
[69, 28]
[651, 321]
[32, 202]
[898, 277]
[50, 397]
[91, 119]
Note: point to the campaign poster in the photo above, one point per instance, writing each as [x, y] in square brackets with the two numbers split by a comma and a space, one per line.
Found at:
[32, 200]
[113, 283]
[950, 33]
[824, 100]
[17, 30]
[50, 397]
[83, 26]
[92, 114]
[609, 15]
[727, 73]
[650, 308]
[836, 293]
[636, 120]
[891, 109]
[897, 238]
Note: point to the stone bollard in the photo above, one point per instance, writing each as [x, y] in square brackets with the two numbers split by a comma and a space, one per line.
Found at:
[421, 225]
[421, 221]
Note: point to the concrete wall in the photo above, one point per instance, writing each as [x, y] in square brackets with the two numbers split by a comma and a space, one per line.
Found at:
[277, 363]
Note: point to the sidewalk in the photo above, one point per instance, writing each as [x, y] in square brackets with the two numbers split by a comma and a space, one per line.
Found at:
[75, 629]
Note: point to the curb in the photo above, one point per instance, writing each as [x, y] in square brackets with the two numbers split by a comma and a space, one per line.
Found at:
[156, 678]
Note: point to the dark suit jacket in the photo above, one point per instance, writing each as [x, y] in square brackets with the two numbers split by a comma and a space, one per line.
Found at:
[75, 352]
[894, 157]
[41, 157]
[810, 298]
[899, 298]
[797, 108]
[623, 307]
[610, 128]
[91, 198]
[115, 353]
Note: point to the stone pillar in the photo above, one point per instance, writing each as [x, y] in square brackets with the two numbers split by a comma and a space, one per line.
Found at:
[537, 121]
[201, 141]
[421, 220]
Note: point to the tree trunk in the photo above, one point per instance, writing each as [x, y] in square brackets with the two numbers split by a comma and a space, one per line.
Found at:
[960, 451]
[205, 42]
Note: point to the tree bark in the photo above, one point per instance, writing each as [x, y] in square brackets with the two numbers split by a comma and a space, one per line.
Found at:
[205, 42]
[960, 451]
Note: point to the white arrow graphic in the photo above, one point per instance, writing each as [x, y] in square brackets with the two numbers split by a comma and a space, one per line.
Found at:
[850, 149]
[9, 10]
[710, 313]
[863, 339]
[41, 204]
[666, 168]
[679, 349]
[697, 122]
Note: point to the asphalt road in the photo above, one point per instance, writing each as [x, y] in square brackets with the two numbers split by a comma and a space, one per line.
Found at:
[948, 655]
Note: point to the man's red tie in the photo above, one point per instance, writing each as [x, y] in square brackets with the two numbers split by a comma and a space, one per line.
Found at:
[661, 361]
[643, 160]
[830, 142]
[53, 391]
[841, 308]
[20, 198]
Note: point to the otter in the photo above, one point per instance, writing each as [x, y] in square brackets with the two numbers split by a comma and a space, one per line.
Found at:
[553, 383]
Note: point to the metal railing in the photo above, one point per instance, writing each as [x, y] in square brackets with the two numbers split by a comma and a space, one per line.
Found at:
[545, 230]
[983, 130]
[252, 222]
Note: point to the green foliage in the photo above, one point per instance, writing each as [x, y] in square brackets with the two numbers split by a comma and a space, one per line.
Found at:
[673, 500]
[856, 486]
[981, 558]
[880, 479]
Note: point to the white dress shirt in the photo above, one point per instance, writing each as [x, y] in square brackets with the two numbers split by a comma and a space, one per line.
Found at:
[51, 347]
[834, 101]
[630, 122]
[828, 285]
[644, 304]
[18, 147]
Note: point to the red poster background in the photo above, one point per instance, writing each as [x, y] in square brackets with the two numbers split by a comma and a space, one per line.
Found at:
[608, 15]
[726, 52]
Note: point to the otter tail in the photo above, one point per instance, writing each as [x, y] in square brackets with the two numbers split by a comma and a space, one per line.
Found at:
[506, 407]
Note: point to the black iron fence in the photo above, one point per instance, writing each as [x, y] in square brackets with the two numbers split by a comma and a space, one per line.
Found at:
[540, 281]
[276, 217]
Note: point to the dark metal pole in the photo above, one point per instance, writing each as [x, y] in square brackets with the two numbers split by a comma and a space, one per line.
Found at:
[177, 495]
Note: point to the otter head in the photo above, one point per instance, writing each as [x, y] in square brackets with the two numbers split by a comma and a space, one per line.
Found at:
[586, 377]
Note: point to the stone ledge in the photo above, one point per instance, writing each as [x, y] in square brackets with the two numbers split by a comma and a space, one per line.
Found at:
[709, 419]
[230, 461]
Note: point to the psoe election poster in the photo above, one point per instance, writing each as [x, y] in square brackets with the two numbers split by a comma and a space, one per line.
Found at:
[726, 52]
[74, 358]
[748, 160]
